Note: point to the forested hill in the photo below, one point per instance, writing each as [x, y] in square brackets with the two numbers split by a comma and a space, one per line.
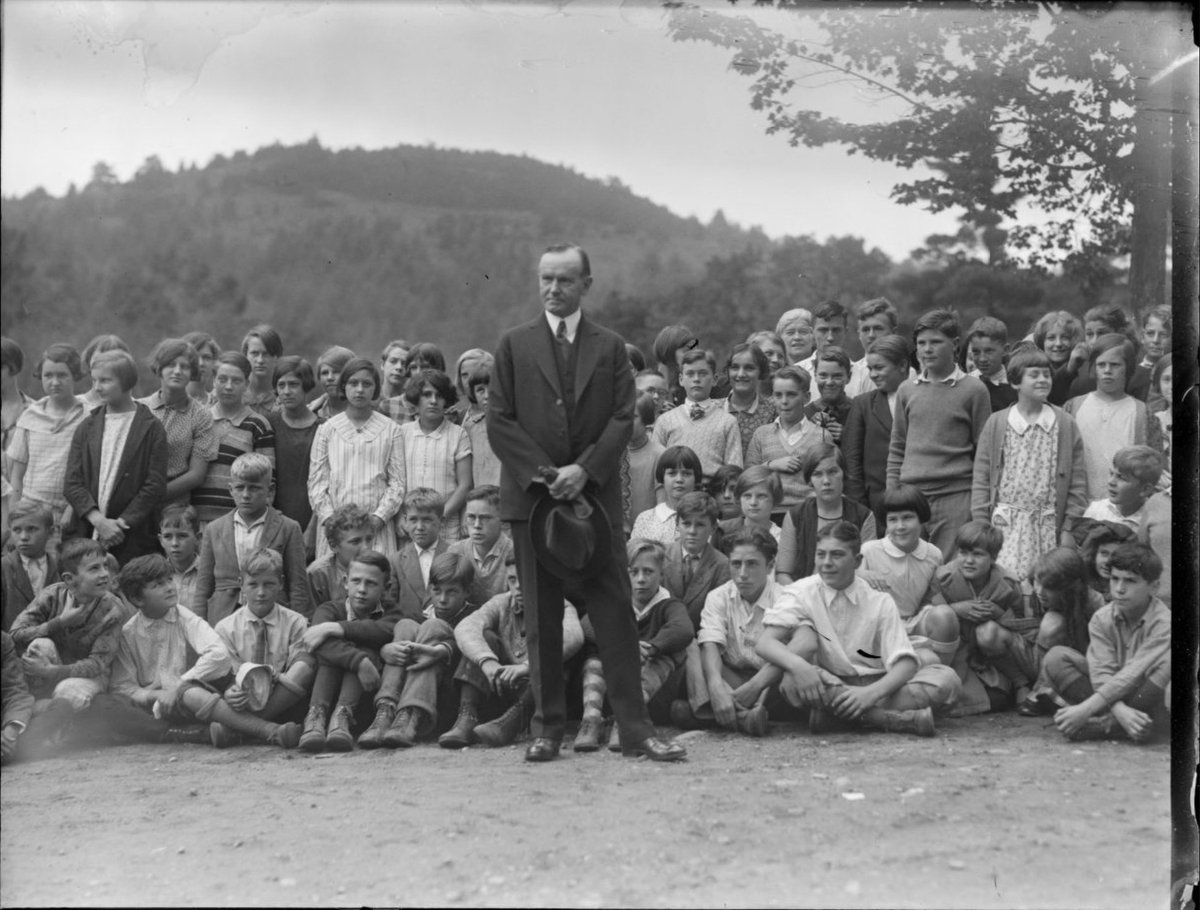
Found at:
[353, 247]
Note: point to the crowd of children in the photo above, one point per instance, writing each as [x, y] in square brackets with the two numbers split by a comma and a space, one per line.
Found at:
[953, 523]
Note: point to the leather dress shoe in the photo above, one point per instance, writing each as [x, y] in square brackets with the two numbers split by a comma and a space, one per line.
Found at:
[543, 748]
[656, 749]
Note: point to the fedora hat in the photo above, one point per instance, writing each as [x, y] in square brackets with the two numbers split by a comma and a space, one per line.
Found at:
[255, 680]
[571, 538]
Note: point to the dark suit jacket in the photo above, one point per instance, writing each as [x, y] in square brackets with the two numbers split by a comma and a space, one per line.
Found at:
[865, 440]
[527, 418]
[141, 480]
[219, 581]
[712, 571]
[18, 592]
[406, 588]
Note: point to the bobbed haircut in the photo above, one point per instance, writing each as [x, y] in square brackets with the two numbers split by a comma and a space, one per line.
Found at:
[756, 354]
[895, 349]
[637, 360]
[641, 546]
[202, 341]
[271, 341]
[262, 561]
[31, 508]
[752, 537]
[122, 365]
[64, 354]
[141, 572]
[1139, 559]
[1156, 372]
[1106, 343]
[375, 560]
[906, 498]
[358, 365]
[12, 358]
[346, 518]
[451, 568]
[834, 354]
[844, 531]
[1026, 358]
[877, 306]
[759, 475]
[1057, 319]
[481, 375]
[303, 370]
[723, 478]
[235, 359]
[428, 354]
[585, 263]
[1060, 570]
[697, 504]
[478, 354]
[942, 319]
[980, 535]
[167, 351]
[78, 549]
[813, 457]
[99, 345]
[669, 339]
[335, 357]
[441, 384]
[676, 458]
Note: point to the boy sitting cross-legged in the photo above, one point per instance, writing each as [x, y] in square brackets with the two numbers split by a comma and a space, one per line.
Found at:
[1119, 689]
[68, 636]
[30, 567]
[417, 687]
[170, 666]
[664, 633]
[728, 682]
[349, 531]
[264, 631]
[230, 539]
[997, 659]
[486, 544]
[345, 638]
[494, 669]
[843, 648]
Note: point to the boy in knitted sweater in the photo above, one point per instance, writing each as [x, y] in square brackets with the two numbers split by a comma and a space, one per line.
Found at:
[939, 417]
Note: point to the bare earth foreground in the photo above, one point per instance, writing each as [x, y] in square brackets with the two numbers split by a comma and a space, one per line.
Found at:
[993, 812]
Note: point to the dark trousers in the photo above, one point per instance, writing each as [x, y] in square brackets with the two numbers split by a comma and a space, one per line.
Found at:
[607, 599]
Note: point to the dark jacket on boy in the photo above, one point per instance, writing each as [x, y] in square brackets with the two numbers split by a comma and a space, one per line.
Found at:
[711, 571]
[406, 588]
[86, 650]
[18, 590]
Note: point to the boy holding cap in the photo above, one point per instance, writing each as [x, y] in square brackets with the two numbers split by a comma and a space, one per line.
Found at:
[265, 640]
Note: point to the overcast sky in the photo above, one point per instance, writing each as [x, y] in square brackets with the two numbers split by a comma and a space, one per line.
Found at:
[600, 88]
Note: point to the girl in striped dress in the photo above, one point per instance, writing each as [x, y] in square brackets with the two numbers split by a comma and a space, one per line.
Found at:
[358, 457]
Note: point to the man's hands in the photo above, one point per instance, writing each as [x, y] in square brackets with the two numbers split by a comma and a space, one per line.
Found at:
[317, 635]
[802, 686]
[849, 702]
[788, 464]
[411, 654]
[569, 483]
[236, 698]
[73, 615]
[1071, 718]
[507, 677]
[109, 532]
[1137, 724]
[36, 666]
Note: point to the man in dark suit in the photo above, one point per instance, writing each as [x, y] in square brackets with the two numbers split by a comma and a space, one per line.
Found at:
[562, 396]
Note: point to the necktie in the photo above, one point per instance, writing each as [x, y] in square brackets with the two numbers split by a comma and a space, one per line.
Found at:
[561, 337]
[696, 412]
[260, 642]
[689, 569]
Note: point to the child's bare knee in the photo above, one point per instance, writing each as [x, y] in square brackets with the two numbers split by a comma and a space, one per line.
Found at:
[991, 638]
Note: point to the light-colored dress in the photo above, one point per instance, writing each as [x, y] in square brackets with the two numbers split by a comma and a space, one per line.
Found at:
[358, 464]
[1025, 502]
[1106, 427]
[431, 460]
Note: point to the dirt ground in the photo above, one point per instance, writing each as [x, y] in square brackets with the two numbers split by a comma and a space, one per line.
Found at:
[993, 812]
